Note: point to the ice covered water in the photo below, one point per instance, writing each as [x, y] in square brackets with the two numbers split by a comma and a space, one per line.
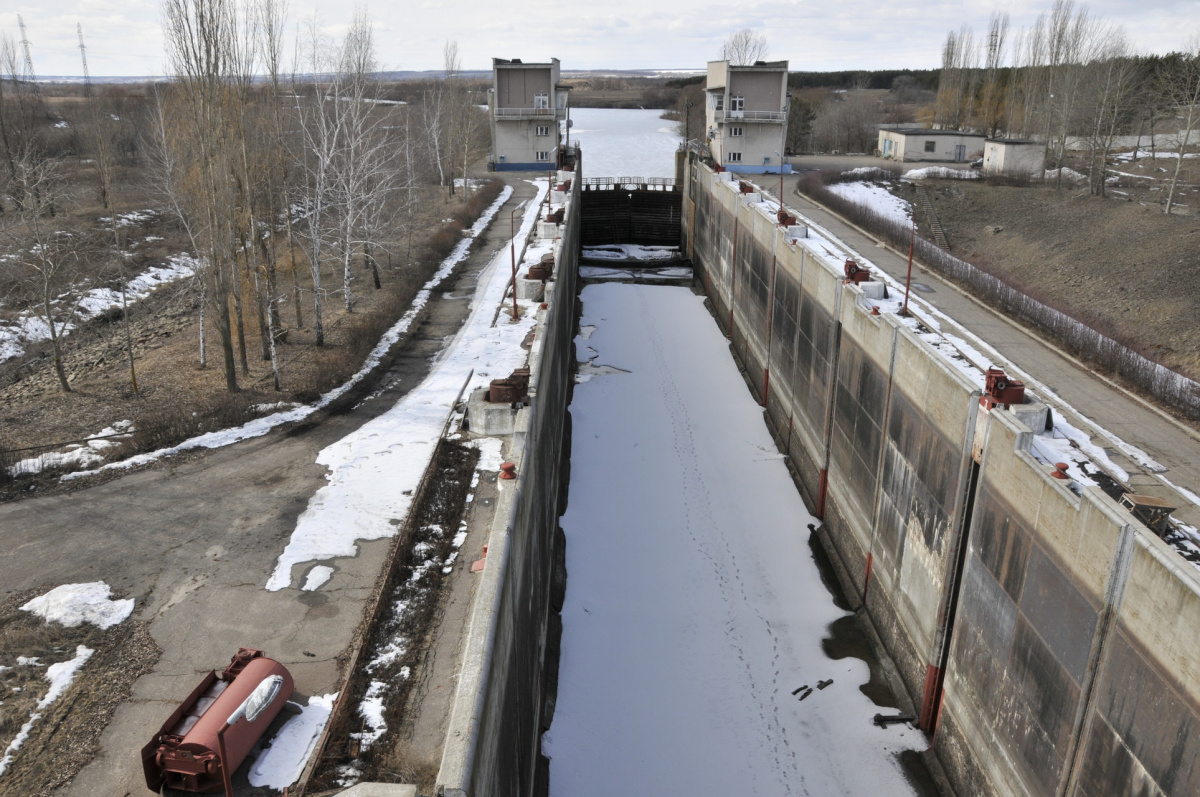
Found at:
[624, 143]
[694, 610]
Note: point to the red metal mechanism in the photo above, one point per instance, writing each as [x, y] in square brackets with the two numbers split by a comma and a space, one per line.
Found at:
[508, 470]
[999, 389]
[856, 273]
[930, 703]
[1060, 470]
[785, 219]
[556, 217]
[543, 269]
[745, 187]
[511, 389]
[185, 754]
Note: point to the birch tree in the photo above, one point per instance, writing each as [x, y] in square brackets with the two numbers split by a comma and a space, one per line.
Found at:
[1180, 89]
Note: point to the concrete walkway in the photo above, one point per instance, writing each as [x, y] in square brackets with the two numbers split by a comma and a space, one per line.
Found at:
[1170, 443]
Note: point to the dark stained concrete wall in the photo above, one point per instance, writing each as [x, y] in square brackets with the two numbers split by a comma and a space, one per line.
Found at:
[1067, 639]
[509, 671]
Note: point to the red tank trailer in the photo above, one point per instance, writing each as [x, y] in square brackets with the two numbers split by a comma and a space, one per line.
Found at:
[203, 743]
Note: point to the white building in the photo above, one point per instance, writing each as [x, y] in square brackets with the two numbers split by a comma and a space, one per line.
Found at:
[1014, 157]
[919, 144]
[526, 104]
[746, 112]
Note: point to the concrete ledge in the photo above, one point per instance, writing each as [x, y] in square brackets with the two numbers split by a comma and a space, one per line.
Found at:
[380, 790]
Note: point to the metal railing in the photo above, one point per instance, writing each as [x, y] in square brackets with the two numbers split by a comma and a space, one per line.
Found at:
[630, 183]
[526, 113]
[750, 116]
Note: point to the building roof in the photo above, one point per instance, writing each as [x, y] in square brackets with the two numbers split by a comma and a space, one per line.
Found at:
[518, 62]
[925, 131]
[1013, 141]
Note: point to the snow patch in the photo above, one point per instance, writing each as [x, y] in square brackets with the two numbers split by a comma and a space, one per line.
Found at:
[261, 426]
[374, 471]
[73, 604]
[281, 764]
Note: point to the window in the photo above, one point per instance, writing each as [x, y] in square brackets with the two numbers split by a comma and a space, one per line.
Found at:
[735, 131]
[543, 155]
[541, 101]
[543, 130]
[737, 103]
[733, 157]
[931, 146]
[719, 102]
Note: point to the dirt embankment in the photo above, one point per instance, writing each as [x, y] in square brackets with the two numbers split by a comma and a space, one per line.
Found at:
[1118, 264]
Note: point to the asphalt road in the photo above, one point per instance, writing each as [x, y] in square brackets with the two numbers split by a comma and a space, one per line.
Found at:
[194, 539]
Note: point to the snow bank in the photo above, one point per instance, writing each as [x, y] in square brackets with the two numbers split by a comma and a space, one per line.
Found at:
[260, 426]
[877, 198]
[60, 676]
[941, 172]
[74, 604]
[375, 470]
[77, 455]
[281, 764]
[1068, 174]
[29, 328]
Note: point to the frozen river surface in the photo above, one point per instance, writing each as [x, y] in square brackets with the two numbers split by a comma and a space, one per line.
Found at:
[624, 143]
[694, 607]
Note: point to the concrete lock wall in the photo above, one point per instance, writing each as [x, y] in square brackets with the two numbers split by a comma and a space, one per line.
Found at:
[508, 674]
[1045, 638]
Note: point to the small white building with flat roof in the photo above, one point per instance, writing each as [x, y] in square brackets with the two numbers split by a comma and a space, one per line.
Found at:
[920, 144]
[745, 113]
[1014, 157]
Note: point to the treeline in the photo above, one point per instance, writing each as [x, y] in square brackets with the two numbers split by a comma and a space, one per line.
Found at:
[885, 79]
[1069, 78]
[288, 188]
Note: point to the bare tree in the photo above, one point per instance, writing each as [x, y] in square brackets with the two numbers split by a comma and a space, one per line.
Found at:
[1107, 107]
[46, 249]
[744, 47]
[1181, 90]
[97, 137]
[201, 36]
[991, 97]
[958, 80]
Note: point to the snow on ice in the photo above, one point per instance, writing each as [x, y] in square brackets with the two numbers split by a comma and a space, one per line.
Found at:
[281, 764]
[687, 546]
[374, 471]
[74, 604]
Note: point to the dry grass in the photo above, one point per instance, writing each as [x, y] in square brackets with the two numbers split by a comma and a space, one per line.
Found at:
[66, 736]
[177, 397]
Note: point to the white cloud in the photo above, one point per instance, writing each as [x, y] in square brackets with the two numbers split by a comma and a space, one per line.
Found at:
[124, 37]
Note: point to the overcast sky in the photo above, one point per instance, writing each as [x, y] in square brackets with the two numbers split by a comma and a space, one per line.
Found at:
[124, 38]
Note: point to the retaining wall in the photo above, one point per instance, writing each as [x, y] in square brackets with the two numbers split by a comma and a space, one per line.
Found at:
[1047, 640]
[507, 677]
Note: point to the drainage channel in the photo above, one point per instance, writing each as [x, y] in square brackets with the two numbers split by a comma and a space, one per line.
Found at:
[703, 648]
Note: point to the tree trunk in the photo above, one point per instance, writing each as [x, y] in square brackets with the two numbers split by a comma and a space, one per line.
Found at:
[241, 323]
[55, 345]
